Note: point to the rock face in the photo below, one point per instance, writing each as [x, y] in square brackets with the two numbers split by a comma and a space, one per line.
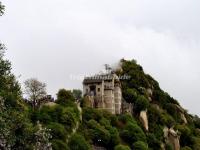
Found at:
[172, 138]
[127, 107]
[144, 119]
[149, 93]
[183, 118]
[182, 113]
[88, 101]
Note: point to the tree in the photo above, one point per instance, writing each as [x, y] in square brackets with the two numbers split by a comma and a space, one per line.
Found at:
[130, 95]
[77, 94]
[122, 147]
[141, 103]
[42, 137]
[139, 145]
[59, 145]
[1, 9]
[77, 142]
[65, 97]
[132, 133]
[35, 91]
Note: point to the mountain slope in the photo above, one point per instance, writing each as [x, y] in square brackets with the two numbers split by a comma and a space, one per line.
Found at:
[163, 111]
[153, 120]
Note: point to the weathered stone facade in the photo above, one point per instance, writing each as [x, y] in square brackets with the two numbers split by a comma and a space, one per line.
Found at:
[104, 92]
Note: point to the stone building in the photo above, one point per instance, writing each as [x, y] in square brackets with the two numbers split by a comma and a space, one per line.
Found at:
[104, 91]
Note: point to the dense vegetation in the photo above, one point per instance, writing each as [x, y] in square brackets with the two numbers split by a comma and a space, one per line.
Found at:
[64, 125]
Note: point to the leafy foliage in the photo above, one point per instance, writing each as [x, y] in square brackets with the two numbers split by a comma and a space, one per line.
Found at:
[2, 7]
[65, 97]
[122, 147]
[35, 91]
[141, 103]
[139, 145]
[77, 142]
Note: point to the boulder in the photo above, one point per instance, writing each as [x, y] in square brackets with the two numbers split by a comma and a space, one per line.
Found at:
[172, 137]
[144, 119]
[183, 118]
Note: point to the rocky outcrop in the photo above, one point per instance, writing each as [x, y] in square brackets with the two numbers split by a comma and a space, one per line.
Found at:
[171, 137]
[182, 113]
[157, 107]
[183, 118]
[126, 107]
[88, 101]
[144, 119]
[149, 93]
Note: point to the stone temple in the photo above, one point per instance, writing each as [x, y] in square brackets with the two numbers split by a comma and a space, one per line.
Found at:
[103, 91]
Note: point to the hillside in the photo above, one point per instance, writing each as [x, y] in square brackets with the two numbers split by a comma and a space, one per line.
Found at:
[153, 120]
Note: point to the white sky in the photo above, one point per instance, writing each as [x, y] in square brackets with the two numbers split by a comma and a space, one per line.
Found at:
[51, 40]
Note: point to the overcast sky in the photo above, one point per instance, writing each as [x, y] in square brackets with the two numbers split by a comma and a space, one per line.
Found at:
[54, 39]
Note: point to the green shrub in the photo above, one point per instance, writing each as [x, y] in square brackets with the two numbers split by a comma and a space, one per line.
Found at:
[68, 118]
[125, 118]
[130, 95]
[196, 143]
[173, 111]
[141, 103]
[132, 133]
[169, 147]
[59, 145]
[153, 142]
[57, 131]
[186, 148]
[185, 138]
[167, 120]
[65, 97]
[98, 133]
[122, 147]
[90, 113]
[78, 142]
[139, 145]
[114, 137]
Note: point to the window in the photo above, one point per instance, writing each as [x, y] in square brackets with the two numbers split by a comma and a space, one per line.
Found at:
[98, 89]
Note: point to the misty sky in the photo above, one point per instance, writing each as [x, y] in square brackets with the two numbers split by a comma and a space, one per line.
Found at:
[54, 39]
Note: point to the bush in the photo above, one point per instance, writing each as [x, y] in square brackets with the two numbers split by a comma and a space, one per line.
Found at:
[166, 119]
[59, 145]
[169, 147]
[57, 131]
[90, 113]
[122, 147]
[139, 145]
[98, 133]
[78, 142]
[132, 133]
[185, 138]
[68, 118]
[153, 142]
[125, 118]
[186, 148]
[130, 95]
[114, 137]
[173, 111]
[141, 103]
[65, 97]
